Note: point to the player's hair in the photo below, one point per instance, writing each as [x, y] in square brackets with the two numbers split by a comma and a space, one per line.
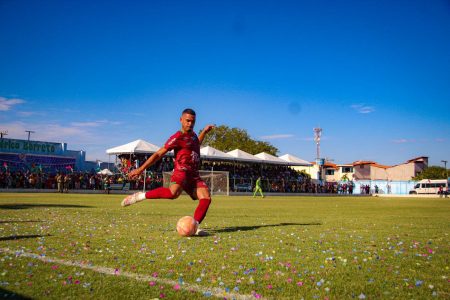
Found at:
[188, 111]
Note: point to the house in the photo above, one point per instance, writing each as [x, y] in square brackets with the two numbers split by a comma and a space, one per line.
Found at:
[369, 170]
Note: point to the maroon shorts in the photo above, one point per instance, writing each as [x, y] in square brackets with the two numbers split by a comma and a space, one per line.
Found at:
[189, 181]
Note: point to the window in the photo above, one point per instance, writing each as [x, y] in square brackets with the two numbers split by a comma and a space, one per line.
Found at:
[329, 172]
[347, 169]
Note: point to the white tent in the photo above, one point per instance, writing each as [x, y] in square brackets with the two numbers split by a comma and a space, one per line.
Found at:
[295, 161]
[105, 172]
[266, 157]
[212, 153]
[138, 146]
[243, 156]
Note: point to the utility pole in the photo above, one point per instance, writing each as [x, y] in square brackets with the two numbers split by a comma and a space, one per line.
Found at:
[29, 133]
[445, 166]
[3, 132]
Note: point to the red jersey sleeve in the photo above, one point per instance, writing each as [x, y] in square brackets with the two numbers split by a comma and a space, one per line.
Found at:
[172, 142]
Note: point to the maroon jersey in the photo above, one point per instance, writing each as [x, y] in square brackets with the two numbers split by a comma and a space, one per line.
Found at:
[187, 150]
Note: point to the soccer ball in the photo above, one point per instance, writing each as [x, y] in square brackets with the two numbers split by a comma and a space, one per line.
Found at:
[187, 226]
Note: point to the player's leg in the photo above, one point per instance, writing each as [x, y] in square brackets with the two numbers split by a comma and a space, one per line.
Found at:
[202, 208]
[203, 204]
[171, 192]
[261, 192]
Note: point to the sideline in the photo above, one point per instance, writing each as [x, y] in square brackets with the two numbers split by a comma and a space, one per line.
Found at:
[409, 196]
[214, 292]
[117, 192]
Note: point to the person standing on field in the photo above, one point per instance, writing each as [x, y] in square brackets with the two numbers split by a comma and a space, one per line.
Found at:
[60, 182]
[258, 188]
[186, 146]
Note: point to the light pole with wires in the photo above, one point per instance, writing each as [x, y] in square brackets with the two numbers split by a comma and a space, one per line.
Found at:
[445, 166]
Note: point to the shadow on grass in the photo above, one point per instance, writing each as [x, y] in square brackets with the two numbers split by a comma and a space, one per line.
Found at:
[33, 205]
[19, 221]
[247, 228]
[21, 237]
[5, 294]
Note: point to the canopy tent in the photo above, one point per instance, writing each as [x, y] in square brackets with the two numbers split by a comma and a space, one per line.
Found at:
[138, 146]
[105, 172]
[295, 161]
[268, 158]
[240, 155]
[209, 152]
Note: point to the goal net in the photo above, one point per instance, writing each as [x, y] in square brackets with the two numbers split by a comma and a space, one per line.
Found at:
[217, 181]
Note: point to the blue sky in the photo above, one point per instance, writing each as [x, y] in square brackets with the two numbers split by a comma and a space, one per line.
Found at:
[375, 75]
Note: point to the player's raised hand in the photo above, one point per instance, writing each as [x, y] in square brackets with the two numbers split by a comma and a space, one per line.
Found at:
[134, 174]
[209, 127]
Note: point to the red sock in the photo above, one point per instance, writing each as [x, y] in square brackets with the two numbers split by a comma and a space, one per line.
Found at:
[159, 193]
[202, 208]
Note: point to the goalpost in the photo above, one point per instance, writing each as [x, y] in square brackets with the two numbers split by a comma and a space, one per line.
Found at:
[217, 181]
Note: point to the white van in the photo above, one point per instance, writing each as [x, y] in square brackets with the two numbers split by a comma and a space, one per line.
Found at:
[427, 186]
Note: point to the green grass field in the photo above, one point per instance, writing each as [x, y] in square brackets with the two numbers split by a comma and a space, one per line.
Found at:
[88, 246]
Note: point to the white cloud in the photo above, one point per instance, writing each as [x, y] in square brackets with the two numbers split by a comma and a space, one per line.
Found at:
[308, 139]
[276, 136]
[403, 141]
[43, 132]
[87, 124]
[362, 108]
[95, 123]
[92, 139]
[30, 113]
[7, 104]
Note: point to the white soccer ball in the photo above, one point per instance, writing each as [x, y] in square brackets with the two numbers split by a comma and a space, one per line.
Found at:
[187, 226]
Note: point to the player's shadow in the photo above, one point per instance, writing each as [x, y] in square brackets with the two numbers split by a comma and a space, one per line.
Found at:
[5, 294]
[37, 205]
[19, 221]
[254, 227]
[21, 237]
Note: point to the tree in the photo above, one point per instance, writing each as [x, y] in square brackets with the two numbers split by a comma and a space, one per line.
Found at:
[433, 172]
[227, 139]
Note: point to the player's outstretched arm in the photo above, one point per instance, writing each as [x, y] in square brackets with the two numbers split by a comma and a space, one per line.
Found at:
[148, 163]
[205, 130]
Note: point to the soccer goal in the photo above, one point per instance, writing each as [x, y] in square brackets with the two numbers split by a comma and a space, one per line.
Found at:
[217, 181]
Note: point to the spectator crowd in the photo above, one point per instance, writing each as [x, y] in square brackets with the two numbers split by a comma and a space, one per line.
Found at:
[242, 177]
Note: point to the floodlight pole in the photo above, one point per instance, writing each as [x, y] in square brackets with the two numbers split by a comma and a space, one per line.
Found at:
[317, 136]
[445, 166]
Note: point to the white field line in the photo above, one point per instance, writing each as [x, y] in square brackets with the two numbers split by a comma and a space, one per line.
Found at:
[214, 292]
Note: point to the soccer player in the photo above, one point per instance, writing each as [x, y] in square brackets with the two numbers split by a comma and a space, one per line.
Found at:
[258, 188]
[186, 146]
